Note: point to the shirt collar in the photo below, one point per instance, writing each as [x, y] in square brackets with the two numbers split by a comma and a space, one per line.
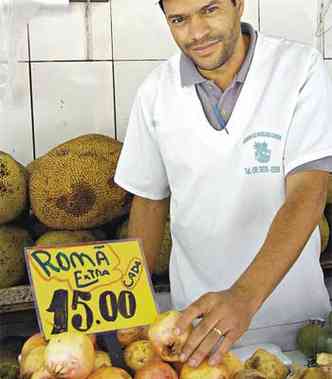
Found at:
[191, 76]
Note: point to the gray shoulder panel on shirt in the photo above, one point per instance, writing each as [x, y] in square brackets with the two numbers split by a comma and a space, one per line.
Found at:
[323, 164]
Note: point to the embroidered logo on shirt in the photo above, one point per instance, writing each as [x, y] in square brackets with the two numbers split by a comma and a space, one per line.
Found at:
[262, 134]
[262, 153]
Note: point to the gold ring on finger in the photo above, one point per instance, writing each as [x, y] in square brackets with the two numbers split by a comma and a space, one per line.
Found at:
[218, 331]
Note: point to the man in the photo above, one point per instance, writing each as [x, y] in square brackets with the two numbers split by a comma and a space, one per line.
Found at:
[235, 132]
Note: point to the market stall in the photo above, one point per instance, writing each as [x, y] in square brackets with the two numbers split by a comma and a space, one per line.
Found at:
[50, 307]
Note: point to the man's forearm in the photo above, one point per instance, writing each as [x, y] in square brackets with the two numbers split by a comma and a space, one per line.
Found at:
[287, 236]
[147, 221]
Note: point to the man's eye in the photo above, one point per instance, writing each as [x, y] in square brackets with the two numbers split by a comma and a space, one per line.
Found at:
[211, 9]
[177, 20]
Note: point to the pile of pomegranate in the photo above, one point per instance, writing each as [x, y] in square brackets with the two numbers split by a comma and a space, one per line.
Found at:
[151, 352]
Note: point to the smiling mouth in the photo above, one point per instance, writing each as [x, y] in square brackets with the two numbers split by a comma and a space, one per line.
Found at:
[205, 49]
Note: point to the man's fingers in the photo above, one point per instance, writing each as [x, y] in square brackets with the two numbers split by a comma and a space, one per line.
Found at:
[187, 317]
[199, 334]
[225, 346]
[205, 348]
[197, 309]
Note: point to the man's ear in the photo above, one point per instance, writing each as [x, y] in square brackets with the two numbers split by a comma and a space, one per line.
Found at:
[240, 6]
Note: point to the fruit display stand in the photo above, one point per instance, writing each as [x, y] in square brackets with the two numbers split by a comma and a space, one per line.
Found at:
[17, 314]
[15, 299]
[18, 321]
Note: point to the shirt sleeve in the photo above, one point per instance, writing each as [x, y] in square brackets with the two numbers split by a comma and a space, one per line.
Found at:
[310, 134]
[323, 164]
[140, 168]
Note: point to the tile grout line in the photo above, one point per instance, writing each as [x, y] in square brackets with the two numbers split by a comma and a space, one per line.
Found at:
[94, 60]
[323, 36]
[109, 60]
[113, 76]
[31, 96]
[259, 15]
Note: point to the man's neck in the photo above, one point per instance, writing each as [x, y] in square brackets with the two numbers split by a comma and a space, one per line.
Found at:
[224, 75]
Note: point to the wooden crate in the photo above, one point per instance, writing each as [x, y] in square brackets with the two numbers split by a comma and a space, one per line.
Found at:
[17, 313]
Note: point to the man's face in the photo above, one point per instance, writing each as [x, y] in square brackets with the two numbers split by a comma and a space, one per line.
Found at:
[205, 30]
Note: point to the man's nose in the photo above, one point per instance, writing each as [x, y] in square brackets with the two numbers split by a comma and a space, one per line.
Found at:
[198, 28]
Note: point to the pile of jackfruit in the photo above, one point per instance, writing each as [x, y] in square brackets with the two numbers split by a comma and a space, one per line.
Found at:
[65, 196]
[13, 202]
[326, 221]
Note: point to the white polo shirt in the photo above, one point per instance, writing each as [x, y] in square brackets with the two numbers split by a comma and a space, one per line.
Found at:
[226, 188]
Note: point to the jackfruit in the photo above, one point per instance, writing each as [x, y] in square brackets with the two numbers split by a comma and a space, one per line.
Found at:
[72, 186]
[163, 259]
[324, 230]
[329, 191]
[12, 264]
[64, 237]
[31, 165]
[13, 188]
[34, 227]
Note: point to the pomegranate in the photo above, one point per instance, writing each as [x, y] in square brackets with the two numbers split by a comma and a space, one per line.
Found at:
[110, 373]
[102, 359]
[93, 339]
[128, 335]
[162, 335]
[232, 362]
[34, 341]
[249, 373]
[42, 373]
[177, 366]
[205, 371]
[70, 356]
[156, 370]
[145, 332]
[32, 362]
[139, 353]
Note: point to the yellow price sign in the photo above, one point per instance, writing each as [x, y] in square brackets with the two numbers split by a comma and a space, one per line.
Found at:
[91, 288]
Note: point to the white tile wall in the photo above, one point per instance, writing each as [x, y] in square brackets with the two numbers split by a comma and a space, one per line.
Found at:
[23, 52]
[128, 76]
[140, 32]
[77, 95]
[293, 19]
[251, 12]
[15, 122]
[71, 99]
[67, 37]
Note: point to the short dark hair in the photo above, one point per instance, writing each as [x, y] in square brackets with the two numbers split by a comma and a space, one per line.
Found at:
[162, 5]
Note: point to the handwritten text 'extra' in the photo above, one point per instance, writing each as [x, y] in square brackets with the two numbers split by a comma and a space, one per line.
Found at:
[87, 269]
